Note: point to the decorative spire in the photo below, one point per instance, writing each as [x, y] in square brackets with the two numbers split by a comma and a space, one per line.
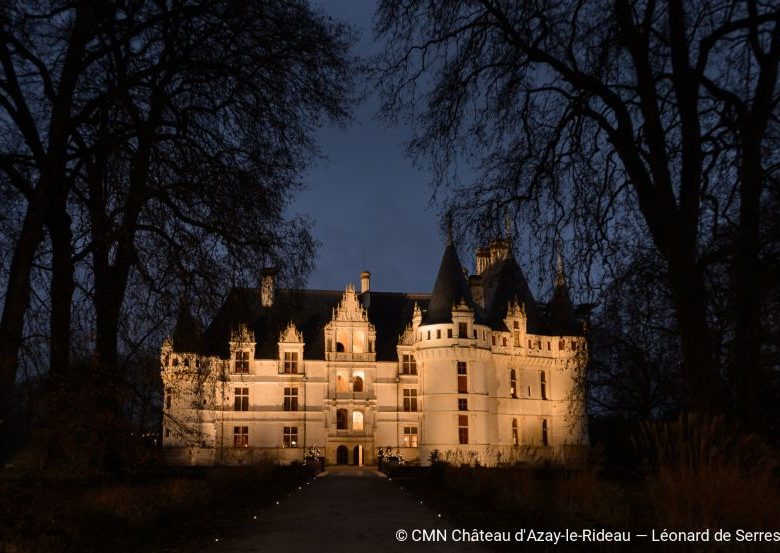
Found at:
[560, 277]
[448, 222]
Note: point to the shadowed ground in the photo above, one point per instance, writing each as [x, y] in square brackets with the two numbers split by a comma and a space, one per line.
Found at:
[346, 509]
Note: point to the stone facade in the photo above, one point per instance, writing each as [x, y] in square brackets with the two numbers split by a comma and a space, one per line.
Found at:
[478, 370]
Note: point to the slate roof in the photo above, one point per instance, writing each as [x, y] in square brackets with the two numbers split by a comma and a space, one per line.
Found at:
[390, 313]
[310, 310]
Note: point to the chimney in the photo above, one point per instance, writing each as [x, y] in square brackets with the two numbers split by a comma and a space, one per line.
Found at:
[365, 282]
[483, 260]
[267, 287]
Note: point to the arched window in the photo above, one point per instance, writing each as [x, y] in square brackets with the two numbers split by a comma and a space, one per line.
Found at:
[545, 433]
[340, 347]
[357, 421]
[341, 419]
[515, 433]
[543, 384]
[357, 384]
[513, 383]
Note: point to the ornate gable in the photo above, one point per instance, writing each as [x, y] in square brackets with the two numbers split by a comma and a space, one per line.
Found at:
[291, 335]
[349, 309]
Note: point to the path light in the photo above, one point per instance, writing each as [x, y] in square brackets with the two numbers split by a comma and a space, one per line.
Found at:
[421, 502]
[277, 503]
[254, 517]
[216, 540]
[439, 515]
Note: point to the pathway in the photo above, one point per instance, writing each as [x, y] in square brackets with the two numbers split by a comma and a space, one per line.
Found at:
[345, 509]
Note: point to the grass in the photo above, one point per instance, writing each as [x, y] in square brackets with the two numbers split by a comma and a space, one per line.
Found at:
[162, 510]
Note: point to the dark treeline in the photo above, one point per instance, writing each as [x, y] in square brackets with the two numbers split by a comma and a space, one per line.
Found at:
[148, 151]
[644, 136]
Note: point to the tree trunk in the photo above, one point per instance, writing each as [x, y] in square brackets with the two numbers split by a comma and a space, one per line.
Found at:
[700, 369]
[12, 323]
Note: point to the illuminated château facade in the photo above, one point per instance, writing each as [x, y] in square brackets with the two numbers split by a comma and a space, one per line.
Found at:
[478, 370]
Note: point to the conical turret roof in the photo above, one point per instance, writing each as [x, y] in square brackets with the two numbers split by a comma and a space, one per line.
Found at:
[450, 289]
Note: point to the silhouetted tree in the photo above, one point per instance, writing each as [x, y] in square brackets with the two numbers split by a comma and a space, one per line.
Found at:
[627, 122]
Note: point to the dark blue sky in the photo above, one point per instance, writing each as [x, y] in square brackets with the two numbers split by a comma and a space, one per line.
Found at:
[366, 195]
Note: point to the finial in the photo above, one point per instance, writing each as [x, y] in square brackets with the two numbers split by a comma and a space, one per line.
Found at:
[560, 279]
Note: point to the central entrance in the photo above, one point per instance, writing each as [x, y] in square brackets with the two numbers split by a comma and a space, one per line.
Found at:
[342, 455]
[357, 455]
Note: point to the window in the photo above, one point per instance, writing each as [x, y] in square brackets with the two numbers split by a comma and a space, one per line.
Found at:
[529, 343]
[503, 341]
[410, 436]
[561, 344]
[449, 333]
[543, 384]
[462, 378]
[357, 384]
[176, 359]
[341, 419]
[240, 436]
[168, 397]
[516, 340]
[167, 432]
[463, 404]
[438, 333]
[410, 400]
[291, 399]
[474, 333]
[463, 429]
[493, 340]
[545, 433]
[548, 346]
[187, 362]
[242, 362]
[513, 383]
[408, 364]
[290, 362]
[357, 421]
[515, 324]
[429, 334]
[242, 399]
[515, 433]
[462, 330]
[290, 436]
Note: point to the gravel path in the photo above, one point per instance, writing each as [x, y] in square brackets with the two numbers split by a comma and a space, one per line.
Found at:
[345, 510]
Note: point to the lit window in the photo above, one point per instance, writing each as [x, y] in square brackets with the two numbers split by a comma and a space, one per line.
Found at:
[463, 429]
[240, 436]
[513, 383]
[410, 400]
[291, 362]
[357, 421]
[242, 399]
[290, 436]
[462, 378]
[242, 362]
[408, 364]
[410, 436]
[463, 404]
[291, 399]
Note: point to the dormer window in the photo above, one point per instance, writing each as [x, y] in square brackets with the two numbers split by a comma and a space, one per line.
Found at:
[291, 362]
[462, 330]
[241, 359]
[408, 364]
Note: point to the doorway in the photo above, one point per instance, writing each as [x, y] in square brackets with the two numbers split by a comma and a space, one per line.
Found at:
[342, 455]
[357, 455]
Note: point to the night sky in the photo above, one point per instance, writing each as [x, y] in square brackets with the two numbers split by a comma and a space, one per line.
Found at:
[367, 195]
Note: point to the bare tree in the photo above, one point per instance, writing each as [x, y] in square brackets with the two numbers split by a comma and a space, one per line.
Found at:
[628, 122]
